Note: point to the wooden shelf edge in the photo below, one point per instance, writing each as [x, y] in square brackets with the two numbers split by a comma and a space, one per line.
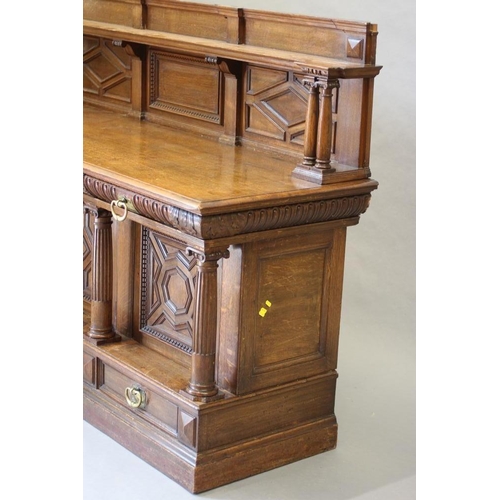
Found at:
[247, 53]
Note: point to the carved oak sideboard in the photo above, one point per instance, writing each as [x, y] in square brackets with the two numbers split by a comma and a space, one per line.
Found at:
[226, 151]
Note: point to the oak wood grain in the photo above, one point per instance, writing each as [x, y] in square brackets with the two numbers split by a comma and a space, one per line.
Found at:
[172, 165]
[248, 53]
[238, 140]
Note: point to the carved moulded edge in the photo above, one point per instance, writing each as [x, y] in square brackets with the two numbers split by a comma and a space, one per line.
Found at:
[285, 216]
[232, 224]
[99, 189]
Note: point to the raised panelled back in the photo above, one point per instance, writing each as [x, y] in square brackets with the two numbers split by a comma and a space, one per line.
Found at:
[263, 104]
[126, 12]
[190, 91]
[274, 112]
[185, 89]
[185, 18]
[275, 105]
[107, 73]
[322, 37]
[185, 85]
[344, 40]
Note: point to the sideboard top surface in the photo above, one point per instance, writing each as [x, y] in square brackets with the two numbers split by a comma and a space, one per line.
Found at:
[193, 172]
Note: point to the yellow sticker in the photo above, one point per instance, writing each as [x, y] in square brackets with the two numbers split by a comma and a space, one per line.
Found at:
[262, 311]
[268, 303]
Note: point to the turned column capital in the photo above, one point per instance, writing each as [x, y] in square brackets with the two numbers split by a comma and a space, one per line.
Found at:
[314, 84]
[99, 213]
[328, 85]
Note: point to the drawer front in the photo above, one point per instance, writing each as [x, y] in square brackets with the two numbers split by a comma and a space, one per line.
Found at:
[146, 402]
[154, 407]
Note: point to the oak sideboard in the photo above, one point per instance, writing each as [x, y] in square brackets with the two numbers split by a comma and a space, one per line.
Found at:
[226, 152]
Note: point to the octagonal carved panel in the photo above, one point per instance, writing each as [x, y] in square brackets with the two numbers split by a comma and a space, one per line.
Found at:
[167, 290]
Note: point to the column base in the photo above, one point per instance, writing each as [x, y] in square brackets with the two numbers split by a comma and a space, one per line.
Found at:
[102, 341]
[202, 399]
[341, 173]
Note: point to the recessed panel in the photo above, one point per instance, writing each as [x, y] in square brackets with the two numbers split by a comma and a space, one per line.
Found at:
[119, 90]
[185, 22]
[291, 292]
[185, 85]
[289, 107]
[287, 293]
[261, 123]
[260, 79]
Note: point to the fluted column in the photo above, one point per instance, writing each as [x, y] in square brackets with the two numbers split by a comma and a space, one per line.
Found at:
[101, 319]
[202, 384]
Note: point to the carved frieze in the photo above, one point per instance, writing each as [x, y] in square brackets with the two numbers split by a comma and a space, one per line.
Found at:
[232, 224]
[99, 189]
[167, 214]
[285, 216]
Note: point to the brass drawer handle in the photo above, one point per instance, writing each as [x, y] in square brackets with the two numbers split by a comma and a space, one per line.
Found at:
[120, 203]
[135, 396]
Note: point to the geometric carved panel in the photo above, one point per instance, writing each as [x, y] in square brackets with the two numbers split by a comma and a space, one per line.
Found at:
[259, 122]
[187, 429]
[276, 106]
[355, 47]
[88, 239]
[260, 79]
[167, 290]
[287, 106]
[89, 366]
[107, 70]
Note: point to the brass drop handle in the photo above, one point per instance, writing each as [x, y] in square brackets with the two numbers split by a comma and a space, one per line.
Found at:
[120, 203]
[135, 396]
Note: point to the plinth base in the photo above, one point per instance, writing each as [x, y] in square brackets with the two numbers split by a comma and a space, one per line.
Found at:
[198, 472]
[203, 445]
